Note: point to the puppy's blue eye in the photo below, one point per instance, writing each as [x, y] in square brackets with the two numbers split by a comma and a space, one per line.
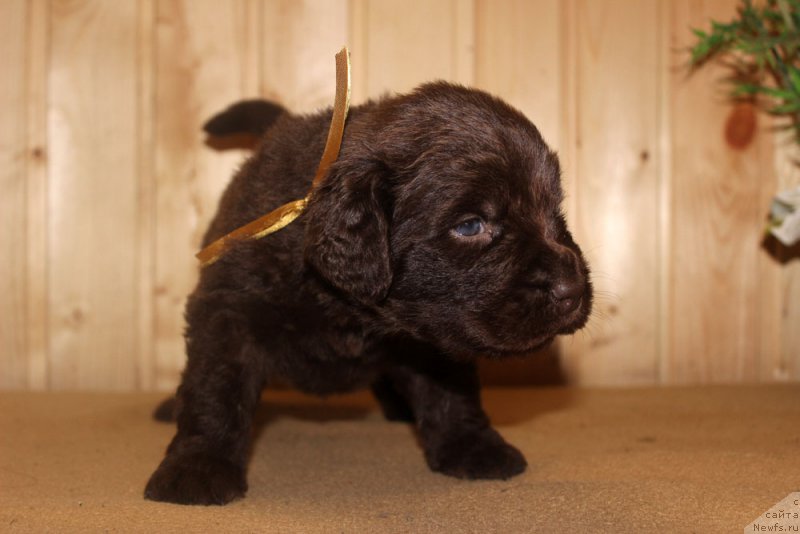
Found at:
[470, 228]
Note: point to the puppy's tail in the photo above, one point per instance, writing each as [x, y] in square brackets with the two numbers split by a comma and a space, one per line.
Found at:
[167, 411]
[252, 117]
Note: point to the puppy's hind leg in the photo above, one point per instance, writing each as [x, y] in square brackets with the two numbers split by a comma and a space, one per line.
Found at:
[205, 463]
[393, 404]
[456, 435]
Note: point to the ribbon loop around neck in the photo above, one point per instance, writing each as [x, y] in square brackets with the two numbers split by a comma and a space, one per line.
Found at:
[284, 215]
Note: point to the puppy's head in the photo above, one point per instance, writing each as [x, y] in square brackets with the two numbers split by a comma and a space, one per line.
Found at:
[443, 214]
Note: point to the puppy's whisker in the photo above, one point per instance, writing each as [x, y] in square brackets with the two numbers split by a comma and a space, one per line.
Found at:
[604, 277]
[606, 297]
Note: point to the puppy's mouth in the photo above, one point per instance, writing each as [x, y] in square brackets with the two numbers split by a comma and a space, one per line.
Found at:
[563, 324]
[515, 352]
[496, 349]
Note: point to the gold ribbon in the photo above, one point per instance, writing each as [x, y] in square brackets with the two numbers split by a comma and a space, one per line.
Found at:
[284, 215]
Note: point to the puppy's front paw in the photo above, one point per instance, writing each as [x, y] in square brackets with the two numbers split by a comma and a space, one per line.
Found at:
[483, 455]
[196, 479]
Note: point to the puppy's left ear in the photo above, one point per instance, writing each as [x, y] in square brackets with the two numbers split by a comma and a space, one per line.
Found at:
[347, 236]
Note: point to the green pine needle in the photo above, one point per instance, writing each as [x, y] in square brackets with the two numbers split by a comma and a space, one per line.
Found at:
[761, 46]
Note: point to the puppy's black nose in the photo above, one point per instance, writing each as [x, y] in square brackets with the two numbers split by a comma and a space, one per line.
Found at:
[566, 294]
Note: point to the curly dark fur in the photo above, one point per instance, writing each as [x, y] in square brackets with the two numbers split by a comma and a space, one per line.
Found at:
[377, 284]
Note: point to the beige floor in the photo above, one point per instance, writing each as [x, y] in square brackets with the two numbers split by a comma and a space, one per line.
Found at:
[668, 460]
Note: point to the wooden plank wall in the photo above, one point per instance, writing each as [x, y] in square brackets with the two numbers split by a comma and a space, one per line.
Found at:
[106, 183]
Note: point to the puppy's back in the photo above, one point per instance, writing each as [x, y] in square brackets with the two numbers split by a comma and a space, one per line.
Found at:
[281, 170]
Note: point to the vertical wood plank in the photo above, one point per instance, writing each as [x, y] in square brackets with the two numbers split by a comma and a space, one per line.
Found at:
[717, 219]
[780, 345]
[616, 188]
[667, 61]
[788, 366]
[518, 57]
[568, 82]
[92, 197]
[37, 200]
[146, 210]
[404, 43]
[464, 27]
[203, 64]
[13, 195]
[300, 39]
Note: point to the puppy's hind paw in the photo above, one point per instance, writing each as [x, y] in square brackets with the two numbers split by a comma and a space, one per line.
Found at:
[481, 456]
[196, 479]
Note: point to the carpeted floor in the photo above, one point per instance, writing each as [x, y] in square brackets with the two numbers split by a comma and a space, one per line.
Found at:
[647, 460]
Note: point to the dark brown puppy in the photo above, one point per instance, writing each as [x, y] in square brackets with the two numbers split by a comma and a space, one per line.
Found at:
[436, 237]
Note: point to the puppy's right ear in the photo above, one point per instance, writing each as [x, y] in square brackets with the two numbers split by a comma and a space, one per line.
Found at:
[347, 239]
